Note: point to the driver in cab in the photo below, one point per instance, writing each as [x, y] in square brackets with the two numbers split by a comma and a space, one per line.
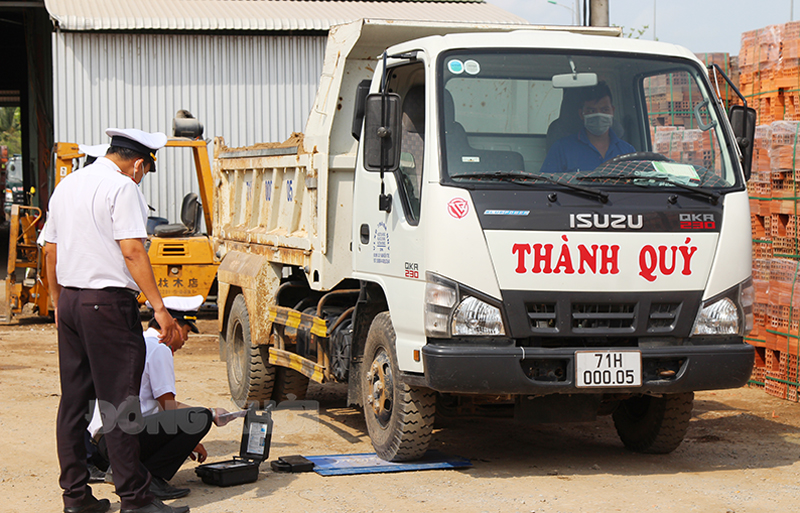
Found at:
[595, 142]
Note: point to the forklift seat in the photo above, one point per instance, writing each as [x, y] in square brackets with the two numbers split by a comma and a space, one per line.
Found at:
[190, 219]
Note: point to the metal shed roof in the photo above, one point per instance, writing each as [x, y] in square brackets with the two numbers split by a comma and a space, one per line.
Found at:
[179, 15]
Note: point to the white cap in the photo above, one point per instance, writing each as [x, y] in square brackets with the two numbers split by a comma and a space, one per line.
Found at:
[181, 303]
[183, 308]
[154, 141]
[97, 150]
[143, 143]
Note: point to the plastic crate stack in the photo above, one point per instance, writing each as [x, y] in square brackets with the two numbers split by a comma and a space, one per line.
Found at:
[769, 71]
[773, 190]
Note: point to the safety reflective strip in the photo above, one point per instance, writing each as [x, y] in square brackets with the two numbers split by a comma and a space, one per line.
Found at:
[294, 319]
[296, 362]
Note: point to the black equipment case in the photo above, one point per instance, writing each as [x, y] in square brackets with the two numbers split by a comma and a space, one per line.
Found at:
[256, 439]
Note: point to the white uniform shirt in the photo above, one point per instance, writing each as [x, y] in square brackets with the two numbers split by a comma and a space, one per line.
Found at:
[158, 379]
[89, 213]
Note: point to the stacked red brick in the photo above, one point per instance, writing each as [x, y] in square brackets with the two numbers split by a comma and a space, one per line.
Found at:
[683, 145]
[769, 71]
[773, 189]
[730, 66]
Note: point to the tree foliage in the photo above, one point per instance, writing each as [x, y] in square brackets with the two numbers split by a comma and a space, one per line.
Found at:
[633, 33]
[10, 129]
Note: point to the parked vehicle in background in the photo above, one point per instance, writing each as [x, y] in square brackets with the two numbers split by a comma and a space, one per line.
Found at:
[14, 190]
[408, 243]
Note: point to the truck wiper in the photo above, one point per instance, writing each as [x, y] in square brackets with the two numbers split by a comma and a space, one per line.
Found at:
[712, 195]
[516, 176]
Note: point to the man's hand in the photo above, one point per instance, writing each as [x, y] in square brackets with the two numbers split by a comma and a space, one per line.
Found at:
[217, 412]
[201, 455]
[170, 332]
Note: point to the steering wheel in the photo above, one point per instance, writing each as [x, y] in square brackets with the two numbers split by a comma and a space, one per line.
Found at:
[639, 155]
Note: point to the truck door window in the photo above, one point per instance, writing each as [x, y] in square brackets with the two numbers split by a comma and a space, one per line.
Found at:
[409, 82]
[412, 148]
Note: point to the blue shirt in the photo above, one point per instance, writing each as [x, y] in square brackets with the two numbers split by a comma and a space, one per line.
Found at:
[575, 152]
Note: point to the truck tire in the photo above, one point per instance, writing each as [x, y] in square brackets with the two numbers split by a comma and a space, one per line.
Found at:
[289, 385]
[250, 376]
[654, 425]
[399, 417]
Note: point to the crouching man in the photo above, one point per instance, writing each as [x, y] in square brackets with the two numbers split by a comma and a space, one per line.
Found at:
[173, 430]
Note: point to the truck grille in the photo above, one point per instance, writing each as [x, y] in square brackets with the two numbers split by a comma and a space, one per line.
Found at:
[612, 317]
[596, 317]
[663, 316]
[542, 315]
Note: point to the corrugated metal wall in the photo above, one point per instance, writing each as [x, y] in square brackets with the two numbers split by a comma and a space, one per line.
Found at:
[246, 88]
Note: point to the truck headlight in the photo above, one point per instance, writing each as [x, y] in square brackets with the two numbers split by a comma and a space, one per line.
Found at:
[730, 313]
[475, 317]
[451, 310]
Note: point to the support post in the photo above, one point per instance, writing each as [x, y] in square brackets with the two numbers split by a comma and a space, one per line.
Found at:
[598, 13]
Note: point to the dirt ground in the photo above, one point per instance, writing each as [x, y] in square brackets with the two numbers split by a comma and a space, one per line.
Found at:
[742, 452]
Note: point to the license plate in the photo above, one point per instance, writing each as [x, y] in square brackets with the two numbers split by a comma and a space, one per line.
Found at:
[608, 368]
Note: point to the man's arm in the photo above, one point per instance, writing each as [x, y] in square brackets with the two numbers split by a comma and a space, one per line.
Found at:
[168, 402]
[138, 264]
[50, 271]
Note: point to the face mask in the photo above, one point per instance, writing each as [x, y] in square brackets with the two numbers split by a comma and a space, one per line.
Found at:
[598, 124]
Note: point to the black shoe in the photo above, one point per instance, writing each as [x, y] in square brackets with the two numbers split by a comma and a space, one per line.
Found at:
[90, 505]
[157, 507]
[95, 474]
[165, 491]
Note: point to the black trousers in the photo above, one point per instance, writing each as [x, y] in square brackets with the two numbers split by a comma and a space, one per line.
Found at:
[101, 356]
[168, 439]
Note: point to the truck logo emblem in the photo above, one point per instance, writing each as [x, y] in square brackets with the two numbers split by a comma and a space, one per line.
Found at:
[458, 208]
[614, 221]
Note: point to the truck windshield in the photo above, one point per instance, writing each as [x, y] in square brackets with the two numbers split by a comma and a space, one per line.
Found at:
[597, 119]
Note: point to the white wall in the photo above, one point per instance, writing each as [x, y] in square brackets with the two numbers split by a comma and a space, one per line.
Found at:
[246, 88]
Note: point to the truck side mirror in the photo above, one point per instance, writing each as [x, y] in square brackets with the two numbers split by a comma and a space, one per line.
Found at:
[382, 133]
[362, 90]
[743, 122]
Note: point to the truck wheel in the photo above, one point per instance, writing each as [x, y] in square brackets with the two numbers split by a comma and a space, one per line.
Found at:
[399, 417]
[654, 425]
[290, 385]
[250, 376]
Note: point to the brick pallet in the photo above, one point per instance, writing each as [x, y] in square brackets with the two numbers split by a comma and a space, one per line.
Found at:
[775, 216]
[769, 71]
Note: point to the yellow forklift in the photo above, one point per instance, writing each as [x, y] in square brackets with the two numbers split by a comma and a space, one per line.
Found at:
[184, 261]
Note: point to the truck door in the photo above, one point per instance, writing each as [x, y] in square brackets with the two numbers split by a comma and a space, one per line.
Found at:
[388, 247]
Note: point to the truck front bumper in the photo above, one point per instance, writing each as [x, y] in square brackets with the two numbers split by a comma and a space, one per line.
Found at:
[518, 370]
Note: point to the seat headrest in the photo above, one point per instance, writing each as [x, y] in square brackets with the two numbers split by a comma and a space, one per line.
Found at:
[414, 110]
[449, 108]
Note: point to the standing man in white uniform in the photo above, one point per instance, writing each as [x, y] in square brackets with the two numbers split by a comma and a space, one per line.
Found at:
[96, 264]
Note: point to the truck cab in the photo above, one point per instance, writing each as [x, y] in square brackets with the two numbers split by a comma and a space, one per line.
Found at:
[513, 262]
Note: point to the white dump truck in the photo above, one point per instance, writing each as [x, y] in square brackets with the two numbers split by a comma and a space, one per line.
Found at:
[446, 237]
